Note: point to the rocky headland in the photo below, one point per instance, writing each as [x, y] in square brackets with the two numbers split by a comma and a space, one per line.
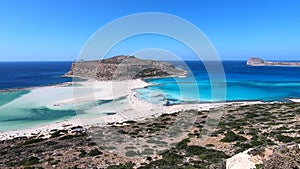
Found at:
[261, 62]
[122, 68]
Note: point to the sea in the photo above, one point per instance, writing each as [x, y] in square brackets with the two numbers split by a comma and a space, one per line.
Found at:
[32, 74]
[240, 83]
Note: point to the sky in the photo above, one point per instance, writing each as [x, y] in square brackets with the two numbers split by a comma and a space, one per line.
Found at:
[56, 30]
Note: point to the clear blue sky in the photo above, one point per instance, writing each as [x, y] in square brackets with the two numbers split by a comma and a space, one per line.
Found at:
[57, 29]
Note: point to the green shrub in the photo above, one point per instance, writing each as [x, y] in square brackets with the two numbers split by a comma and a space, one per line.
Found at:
[131, 153]
[256, 143]
[171, 157]
[251, 115]
[147, 151]
[182, 144]
[95, 152]
[242, 147]
[122, 166]
[209, 145]
[31, 161]
[83, 153]
[259, 166]
[284, 139]
[231, 137]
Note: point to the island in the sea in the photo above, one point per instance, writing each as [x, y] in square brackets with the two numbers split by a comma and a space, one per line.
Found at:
[261, 62]
[123, 67]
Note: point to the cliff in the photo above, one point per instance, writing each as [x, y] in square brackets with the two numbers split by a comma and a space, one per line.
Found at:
[121, 68]
[261, 62]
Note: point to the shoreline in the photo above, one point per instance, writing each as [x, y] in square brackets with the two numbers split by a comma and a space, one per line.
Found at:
[63, 84]
[139, 109]
[73, 121]
[109, 119]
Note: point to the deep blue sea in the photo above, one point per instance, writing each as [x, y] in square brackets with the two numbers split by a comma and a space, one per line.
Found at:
[29, 74]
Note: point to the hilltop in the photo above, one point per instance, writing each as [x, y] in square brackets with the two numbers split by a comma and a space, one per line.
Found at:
[122, 68]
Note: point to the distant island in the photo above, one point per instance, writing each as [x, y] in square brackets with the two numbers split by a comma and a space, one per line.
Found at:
[261, 62]
[123, 68]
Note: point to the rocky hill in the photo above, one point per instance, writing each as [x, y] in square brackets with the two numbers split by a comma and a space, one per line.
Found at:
[121, 68]
[261, 62]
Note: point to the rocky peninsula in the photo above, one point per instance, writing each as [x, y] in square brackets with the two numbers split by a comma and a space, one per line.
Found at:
[122, 68]
[261, 62]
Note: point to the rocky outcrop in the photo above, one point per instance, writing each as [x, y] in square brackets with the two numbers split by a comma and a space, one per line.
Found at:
[276, 157]
[261, 62]
[121, 68]
[241, 160]
[255, 62]
[284, 157]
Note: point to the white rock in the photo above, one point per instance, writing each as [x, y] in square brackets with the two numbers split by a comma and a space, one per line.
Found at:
[240, 161]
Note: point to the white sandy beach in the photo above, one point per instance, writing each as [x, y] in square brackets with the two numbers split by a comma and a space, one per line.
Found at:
[131, 108]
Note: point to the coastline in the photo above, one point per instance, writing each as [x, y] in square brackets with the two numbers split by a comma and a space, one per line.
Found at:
[137, 109]
[140, 111]
[106, 86]
[74, 136]
[64, 84]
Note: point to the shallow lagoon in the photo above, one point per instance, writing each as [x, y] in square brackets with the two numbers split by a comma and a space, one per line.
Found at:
[26, 109]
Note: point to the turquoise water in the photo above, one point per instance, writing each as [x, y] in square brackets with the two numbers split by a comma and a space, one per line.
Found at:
[30, 117]
[6, 97]
[242, 83]
[26, 109]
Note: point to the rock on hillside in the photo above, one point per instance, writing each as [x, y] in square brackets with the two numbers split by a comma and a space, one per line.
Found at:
[276, 157]
[121, 68]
